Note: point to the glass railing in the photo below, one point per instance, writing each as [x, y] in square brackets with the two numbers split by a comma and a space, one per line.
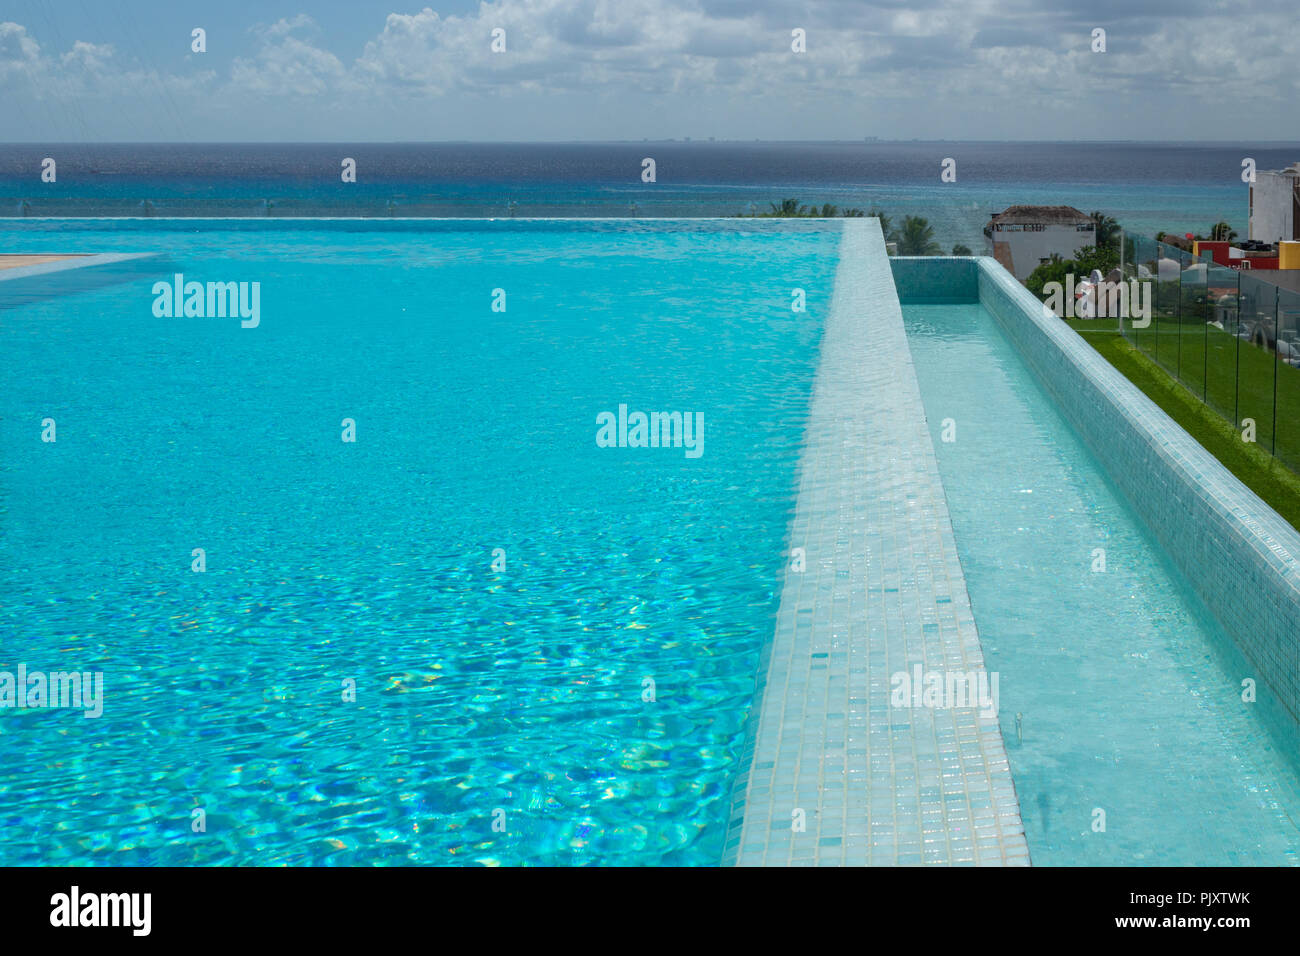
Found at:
[1233, 340]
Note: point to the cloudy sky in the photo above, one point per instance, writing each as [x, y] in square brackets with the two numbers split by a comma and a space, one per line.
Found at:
[375, 70]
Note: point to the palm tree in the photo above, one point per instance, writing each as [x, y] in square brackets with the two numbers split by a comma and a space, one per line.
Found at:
[793, 209]
[961, 250]
[1107, 230]
[1222, 232]
[789, 208]
[916, 238]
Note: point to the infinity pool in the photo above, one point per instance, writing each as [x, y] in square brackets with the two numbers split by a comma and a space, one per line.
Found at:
[1118, 693]
[553, 644]
[470, 548]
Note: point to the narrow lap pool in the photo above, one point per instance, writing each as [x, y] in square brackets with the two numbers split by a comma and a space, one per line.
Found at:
[1129, 695]
[501, 716]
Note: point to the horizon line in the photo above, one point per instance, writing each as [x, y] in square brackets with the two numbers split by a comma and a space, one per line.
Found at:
[632, 142]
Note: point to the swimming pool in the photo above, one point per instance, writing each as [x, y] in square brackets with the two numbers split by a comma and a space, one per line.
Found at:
[605, 542]
[1121, 697]
[552, 644]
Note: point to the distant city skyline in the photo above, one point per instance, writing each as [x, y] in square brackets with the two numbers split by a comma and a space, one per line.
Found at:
[656, 70]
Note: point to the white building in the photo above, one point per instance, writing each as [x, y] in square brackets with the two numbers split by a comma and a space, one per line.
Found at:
[1275, 205]
[1024, 237]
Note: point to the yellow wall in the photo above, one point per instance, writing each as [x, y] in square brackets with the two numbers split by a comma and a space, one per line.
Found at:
[1288, 255]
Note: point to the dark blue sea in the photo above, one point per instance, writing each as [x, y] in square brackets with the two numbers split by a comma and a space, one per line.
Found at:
[1147, 186]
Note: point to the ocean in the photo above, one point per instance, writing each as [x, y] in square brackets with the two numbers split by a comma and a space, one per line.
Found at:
[1148, 187]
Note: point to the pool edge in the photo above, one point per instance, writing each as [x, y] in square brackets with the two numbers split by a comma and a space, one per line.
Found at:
[824, 747]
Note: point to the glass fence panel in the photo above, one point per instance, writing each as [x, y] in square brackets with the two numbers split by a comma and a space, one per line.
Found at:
[1192, 330]
[1142, 265]
[1221, 340]
[1287, 429]
[1168, 271]
[1256, 360]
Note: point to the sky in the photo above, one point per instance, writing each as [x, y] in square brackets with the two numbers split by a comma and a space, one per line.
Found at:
[381, 71]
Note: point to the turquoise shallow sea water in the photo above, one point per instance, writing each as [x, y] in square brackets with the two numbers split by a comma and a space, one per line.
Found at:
[515, 697]
[1128, 696]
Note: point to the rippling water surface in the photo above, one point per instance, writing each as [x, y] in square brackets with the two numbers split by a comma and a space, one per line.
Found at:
[482, 696]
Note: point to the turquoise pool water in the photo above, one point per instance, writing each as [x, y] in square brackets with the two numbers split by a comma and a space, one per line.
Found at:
[477, 690]
[1129, 695]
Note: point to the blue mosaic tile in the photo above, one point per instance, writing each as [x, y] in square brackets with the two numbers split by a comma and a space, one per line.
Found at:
[829, 750]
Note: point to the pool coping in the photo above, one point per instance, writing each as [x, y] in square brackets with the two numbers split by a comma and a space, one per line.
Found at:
[76, 260]
[834, 770]
[23, 285]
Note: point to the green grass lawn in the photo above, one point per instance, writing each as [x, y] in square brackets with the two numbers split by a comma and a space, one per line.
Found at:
[1213, 363]
[1234, 378]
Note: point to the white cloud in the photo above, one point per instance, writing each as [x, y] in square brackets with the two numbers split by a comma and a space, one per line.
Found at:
[996, 55]
[287, 64]
[286, 25]
[88, 57]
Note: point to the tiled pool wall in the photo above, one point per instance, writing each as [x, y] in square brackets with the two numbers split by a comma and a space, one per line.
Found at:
[882, 592]
[1242, 558]
[936, 281]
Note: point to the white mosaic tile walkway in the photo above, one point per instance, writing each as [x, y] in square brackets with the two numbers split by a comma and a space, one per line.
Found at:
[882, 592]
